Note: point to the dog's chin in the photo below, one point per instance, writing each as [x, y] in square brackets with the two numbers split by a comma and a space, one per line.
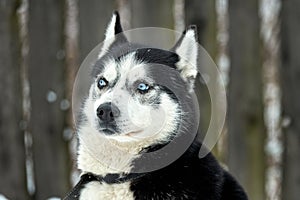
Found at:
[111, 132]
[131, 136]
[107, 131]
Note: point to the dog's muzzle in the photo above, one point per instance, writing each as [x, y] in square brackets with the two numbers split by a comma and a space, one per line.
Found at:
[107, 114]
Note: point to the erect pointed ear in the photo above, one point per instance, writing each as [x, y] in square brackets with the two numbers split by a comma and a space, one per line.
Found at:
[114, 33]
[114, 27]
[187, 50]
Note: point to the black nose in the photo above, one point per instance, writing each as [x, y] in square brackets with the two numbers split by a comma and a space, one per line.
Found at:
[107, 112]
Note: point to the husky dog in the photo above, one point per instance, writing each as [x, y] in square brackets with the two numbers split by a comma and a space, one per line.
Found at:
[126, 104]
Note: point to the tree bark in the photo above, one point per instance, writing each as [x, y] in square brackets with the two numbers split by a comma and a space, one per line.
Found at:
[12, 151]
[246, 132]
[203, 15]
[290, 82]
[46, 79]
[154, 13]
[94, 16]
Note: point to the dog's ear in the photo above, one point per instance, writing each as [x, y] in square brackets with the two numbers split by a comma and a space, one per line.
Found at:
[114, 34]
[114, 28]
[187, 50]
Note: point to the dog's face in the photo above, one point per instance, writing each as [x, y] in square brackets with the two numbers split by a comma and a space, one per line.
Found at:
[127, 101]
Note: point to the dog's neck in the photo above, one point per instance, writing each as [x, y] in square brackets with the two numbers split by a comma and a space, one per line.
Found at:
[100, 156]
[104, 160]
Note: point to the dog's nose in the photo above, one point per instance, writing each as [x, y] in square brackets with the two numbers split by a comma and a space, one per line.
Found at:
[107, 112]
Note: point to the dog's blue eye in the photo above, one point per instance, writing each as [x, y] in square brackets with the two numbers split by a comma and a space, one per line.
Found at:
[102, 83]
[143, 87]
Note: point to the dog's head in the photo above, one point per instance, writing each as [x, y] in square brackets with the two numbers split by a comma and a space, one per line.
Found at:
[132, 97]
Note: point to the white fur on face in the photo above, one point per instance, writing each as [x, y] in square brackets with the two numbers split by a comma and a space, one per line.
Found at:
[110, 71]
[163, 122]
[139, 120]
[96, 153]
[141, 124]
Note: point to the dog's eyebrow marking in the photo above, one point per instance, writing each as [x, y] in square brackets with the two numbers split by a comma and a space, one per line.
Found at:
[126, 64]
[110, 71]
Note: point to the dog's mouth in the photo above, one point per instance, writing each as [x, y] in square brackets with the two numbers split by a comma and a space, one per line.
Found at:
[124, 137]
[133, 133]
[112, 132]
[108, 129]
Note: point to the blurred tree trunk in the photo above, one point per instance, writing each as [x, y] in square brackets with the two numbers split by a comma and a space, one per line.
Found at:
[154, 13]
[12, 151]
[46, 70]
[290, 82]
[246, 132]
[203, 15]
[94, 16]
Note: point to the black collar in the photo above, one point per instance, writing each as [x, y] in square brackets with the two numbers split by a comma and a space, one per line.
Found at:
[74, 194]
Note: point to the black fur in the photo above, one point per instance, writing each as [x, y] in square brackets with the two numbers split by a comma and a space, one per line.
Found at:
[189, 178]
[142, 53]
[118, 27]
[158, 56]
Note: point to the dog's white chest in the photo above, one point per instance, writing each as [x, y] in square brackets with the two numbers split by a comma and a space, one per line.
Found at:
[99, 191]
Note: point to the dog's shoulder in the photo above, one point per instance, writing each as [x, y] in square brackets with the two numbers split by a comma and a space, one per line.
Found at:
[189, 178]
